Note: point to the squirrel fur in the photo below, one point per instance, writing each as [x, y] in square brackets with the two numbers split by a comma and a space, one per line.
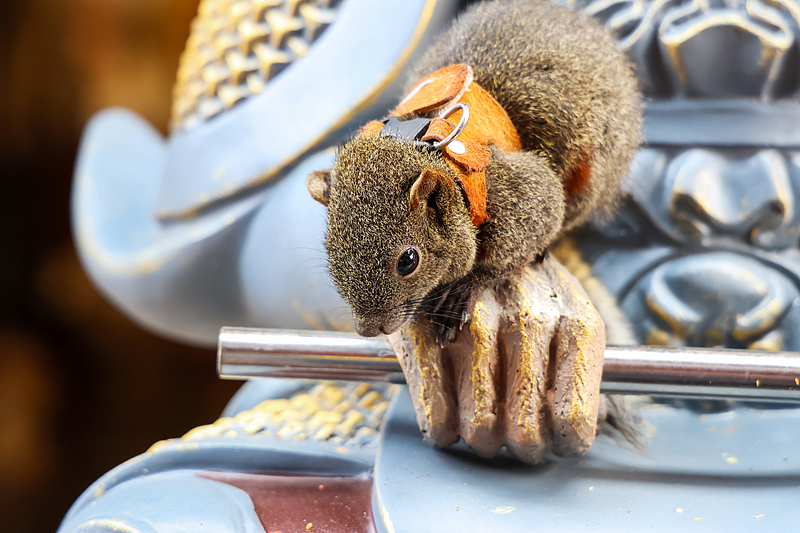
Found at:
[568, 91]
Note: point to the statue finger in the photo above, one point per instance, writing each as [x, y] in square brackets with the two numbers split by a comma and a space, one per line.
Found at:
[579, 346]
[525, 341]
[430, 381]
[476, 361]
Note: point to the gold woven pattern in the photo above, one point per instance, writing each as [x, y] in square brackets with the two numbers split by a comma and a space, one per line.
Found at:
[236, 47]
[348, 414]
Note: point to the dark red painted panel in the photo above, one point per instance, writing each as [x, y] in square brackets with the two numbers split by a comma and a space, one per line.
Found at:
[287, 504]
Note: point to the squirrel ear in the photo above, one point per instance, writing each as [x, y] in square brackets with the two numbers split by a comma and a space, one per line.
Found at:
[427, 185]
[319, 183]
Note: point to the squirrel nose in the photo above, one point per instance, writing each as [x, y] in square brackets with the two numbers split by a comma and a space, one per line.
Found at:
[373, 327]
[366, 328]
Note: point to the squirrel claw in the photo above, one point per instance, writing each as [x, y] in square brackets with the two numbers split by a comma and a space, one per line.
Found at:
[446, 335]
[450, 312]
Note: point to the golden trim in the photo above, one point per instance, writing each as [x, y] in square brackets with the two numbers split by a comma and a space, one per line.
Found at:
[345, 414]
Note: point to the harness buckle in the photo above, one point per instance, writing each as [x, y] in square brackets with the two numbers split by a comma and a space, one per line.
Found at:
[414, 129]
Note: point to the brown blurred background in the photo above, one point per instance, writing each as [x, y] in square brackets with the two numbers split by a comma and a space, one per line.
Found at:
[81, 387]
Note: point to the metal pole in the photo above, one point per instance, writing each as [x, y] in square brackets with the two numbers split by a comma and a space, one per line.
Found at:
[245, 353]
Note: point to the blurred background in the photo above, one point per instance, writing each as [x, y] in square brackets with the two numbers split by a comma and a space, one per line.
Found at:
[82, 389]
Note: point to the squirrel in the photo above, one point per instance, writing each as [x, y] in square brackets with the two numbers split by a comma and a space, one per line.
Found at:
[420, 214]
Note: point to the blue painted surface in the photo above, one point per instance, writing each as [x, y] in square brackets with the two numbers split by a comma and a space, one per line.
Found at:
[178, 500]
[283, 268]
[185, 279]
[737, 471]
[176, 279]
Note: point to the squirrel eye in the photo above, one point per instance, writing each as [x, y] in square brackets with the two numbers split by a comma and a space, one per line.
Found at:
[408, 262]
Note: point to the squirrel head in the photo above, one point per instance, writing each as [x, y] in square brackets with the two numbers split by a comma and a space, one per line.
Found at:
[398, 227]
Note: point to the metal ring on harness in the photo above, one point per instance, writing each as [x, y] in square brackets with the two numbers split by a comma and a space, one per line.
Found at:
[462, 123]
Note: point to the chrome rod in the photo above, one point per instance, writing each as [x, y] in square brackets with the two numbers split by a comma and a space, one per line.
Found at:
[245, 353]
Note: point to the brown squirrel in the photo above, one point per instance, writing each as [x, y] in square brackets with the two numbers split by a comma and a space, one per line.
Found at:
[406, 230]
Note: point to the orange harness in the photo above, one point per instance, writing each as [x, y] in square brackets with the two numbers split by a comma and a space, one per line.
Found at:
[468, 154]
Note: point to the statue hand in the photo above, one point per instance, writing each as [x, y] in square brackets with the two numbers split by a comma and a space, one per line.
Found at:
[524, 371]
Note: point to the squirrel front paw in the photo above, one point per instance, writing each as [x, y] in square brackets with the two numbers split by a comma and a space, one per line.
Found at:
[524, 372]
[448, 309]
